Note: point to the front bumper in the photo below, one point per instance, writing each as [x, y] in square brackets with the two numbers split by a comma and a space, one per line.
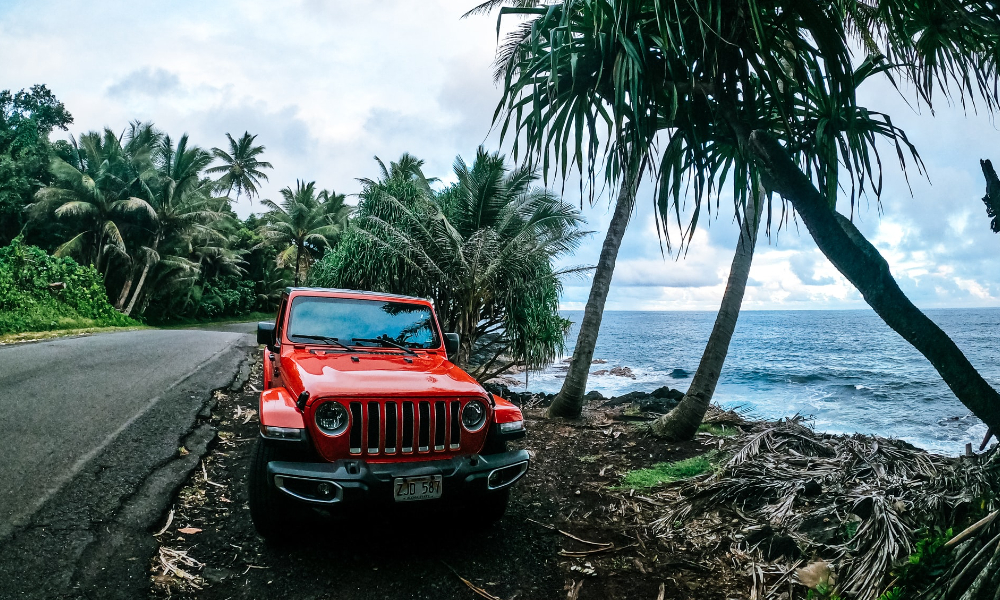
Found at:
[353, 481]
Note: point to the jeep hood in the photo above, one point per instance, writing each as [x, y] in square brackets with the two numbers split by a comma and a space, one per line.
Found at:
[376, 374]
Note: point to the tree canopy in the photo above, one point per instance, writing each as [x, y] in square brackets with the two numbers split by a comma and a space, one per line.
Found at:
[482, 249]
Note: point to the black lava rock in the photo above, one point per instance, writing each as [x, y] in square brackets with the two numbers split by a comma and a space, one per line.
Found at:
[657, 405]
[498, 389]
[669, 394]
[679, 374]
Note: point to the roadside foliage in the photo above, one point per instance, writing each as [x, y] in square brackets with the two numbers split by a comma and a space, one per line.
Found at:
[39, 292]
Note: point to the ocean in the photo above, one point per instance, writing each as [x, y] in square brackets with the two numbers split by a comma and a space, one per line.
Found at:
[844, 369]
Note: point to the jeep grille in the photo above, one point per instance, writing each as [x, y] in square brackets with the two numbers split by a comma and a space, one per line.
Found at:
[406, 427]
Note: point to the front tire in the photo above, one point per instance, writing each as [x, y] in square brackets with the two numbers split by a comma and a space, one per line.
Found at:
[494, 505]
[270, 510]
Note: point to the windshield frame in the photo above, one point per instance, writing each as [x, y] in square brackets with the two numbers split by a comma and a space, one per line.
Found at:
[374, 298]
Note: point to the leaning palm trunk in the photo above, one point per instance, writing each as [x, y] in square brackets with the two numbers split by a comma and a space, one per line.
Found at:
[569, 401]
[682, 422]
[126, 289]
[860, 262]
[142, 279]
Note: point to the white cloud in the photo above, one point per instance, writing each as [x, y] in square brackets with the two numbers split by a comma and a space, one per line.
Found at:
[328, 85]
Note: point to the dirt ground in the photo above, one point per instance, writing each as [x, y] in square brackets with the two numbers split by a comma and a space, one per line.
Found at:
[210, 549]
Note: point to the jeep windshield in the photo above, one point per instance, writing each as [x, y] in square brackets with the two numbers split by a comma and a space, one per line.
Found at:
[342, 321]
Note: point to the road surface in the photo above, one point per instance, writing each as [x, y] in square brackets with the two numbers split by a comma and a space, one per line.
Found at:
[85, 423]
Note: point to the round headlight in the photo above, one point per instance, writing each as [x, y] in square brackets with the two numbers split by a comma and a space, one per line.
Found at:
[474, 415]
[332, 418]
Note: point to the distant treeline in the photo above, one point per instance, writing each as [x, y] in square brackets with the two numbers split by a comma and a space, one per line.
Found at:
[153, 214]
[150, 217]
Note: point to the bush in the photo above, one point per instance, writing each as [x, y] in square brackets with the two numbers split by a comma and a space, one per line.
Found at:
[27, 303]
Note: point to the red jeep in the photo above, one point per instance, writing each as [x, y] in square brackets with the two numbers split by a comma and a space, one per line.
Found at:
[361, 406]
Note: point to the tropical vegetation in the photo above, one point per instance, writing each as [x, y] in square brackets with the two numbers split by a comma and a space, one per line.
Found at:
[40, 292]
[153, 216]
[481, 248]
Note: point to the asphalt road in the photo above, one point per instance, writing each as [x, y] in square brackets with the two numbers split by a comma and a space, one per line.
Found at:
[85, 423]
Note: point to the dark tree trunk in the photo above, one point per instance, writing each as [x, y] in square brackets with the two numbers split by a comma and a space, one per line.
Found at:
[682, 422]
[992, 197]
[126, 288]
[860, 262]
[569, 401]
[142, 279]
[298, 256]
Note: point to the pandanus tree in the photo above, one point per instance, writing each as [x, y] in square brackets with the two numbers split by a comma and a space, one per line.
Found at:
[241, 168]
[573, 85]
[303, 225]
[788, 57]
[482, 249]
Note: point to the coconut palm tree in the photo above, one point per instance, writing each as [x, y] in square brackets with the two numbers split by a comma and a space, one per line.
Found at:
[181, 205]
[767, 76]
[240, 169]
[105, 184]
[305, 223]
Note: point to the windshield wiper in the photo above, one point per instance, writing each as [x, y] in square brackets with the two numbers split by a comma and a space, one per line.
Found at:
[329, 341]
[385, 342]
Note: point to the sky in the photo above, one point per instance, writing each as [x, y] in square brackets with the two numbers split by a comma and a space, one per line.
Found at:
[326, 85]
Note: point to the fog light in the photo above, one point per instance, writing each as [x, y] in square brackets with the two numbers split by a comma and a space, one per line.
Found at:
[282, 433]
[324, 489]
[512, 427]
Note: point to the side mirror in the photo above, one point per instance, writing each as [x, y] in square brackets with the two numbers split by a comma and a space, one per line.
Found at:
[265, 333]
[451, 342]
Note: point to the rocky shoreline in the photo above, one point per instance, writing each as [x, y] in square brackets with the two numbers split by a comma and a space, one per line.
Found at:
[660, 401]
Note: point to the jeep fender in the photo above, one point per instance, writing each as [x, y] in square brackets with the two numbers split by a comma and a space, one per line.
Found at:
[504, 411]
[277, 409]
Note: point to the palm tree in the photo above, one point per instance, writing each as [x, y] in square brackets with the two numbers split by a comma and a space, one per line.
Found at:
[769, 78]
[569, 401]
[181, 205]
[482, 249]
[583, 101]
[304, 224]
[682, 422]
[240, 168]
[97, 191]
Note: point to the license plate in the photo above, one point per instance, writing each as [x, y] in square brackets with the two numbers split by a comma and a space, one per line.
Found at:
[406, 489]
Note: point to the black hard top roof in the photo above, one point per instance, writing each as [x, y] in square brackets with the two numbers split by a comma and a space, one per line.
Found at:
[289, 290]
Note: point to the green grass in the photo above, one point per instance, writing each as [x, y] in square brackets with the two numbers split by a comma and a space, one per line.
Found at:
[667, 472]
[717, 430]
[34, 336]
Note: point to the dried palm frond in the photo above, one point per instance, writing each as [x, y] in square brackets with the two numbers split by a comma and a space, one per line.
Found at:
[859, 503]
